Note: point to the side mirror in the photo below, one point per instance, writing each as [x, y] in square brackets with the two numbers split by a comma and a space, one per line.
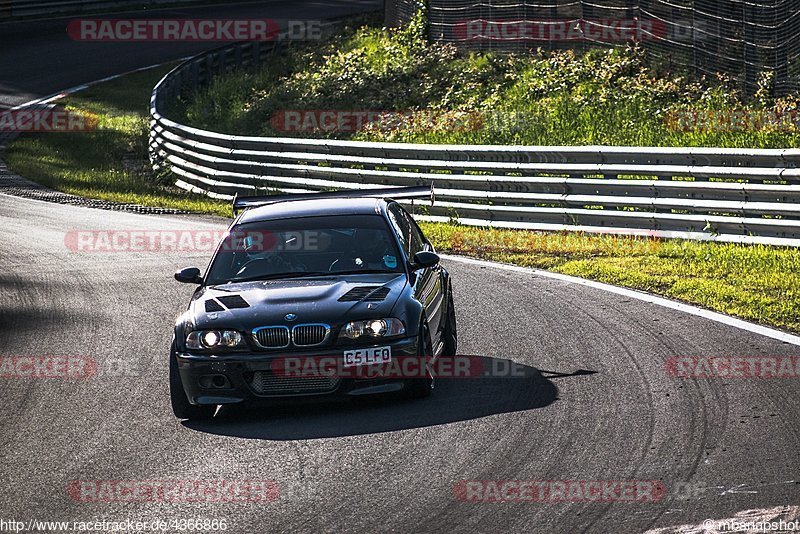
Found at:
[189, 275]
[424, 259]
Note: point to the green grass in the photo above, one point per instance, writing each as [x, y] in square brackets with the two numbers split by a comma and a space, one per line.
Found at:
[608, 97]
[110, 162]
[757, 283]
[754, 282]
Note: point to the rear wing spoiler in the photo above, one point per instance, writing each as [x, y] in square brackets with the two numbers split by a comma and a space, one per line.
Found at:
[395, 193]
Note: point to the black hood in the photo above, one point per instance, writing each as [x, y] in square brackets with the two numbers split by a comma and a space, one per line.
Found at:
[331, 300]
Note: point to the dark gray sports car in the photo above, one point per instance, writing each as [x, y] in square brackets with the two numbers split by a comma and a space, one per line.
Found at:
[313, 295]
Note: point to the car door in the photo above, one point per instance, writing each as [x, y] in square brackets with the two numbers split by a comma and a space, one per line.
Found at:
[428, 281]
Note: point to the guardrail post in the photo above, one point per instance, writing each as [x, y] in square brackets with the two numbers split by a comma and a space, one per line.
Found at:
[222, 61]
[256, 50]
[194, 74]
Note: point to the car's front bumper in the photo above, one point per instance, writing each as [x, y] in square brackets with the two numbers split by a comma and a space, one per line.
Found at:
[250, 377]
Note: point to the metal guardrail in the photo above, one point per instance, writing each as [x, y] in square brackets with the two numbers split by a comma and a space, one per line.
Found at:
[748, 196]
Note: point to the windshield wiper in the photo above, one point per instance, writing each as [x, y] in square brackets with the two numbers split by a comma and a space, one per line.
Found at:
[278, 276]
[305, 274]
[366, 271]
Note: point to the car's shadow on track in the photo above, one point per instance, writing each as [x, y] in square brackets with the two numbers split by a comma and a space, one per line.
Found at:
[454, 399]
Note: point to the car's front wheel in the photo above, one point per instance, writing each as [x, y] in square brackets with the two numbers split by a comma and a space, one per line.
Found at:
[181, 406]
[422, 387]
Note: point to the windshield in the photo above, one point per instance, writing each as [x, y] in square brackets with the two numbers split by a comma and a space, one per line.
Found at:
[310, 246]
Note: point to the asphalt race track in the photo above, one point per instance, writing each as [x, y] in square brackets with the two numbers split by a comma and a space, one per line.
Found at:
[594, 401]
[596, 404]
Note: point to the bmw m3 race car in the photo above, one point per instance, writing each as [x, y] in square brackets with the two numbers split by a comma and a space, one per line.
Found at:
[344, 282]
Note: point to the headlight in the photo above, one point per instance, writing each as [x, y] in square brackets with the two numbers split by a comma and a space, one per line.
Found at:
[373, 328]
[210, 339]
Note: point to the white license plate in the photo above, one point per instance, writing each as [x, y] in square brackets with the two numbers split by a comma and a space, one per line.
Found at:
[369, 356]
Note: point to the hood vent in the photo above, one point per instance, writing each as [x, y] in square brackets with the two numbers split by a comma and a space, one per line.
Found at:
[230, 301]
[213, 306]
[378, 295]
[366, 294]
[233, 301]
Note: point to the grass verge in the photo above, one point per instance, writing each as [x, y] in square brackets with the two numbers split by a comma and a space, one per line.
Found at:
[111, 161]
[757, 283]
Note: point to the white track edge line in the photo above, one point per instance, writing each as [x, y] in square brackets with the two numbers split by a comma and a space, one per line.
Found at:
[640, 295]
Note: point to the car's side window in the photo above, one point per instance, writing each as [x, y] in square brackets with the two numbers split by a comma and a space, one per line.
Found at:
[400, 224]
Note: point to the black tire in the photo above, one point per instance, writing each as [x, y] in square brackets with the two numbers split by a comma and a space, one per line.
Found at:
[419, 388]
[181, 406]
[450, 333]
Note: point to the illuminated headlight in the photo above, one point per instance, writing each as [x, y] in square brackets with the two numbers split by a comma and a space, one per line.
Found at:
[210, 339]
[373, 328]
